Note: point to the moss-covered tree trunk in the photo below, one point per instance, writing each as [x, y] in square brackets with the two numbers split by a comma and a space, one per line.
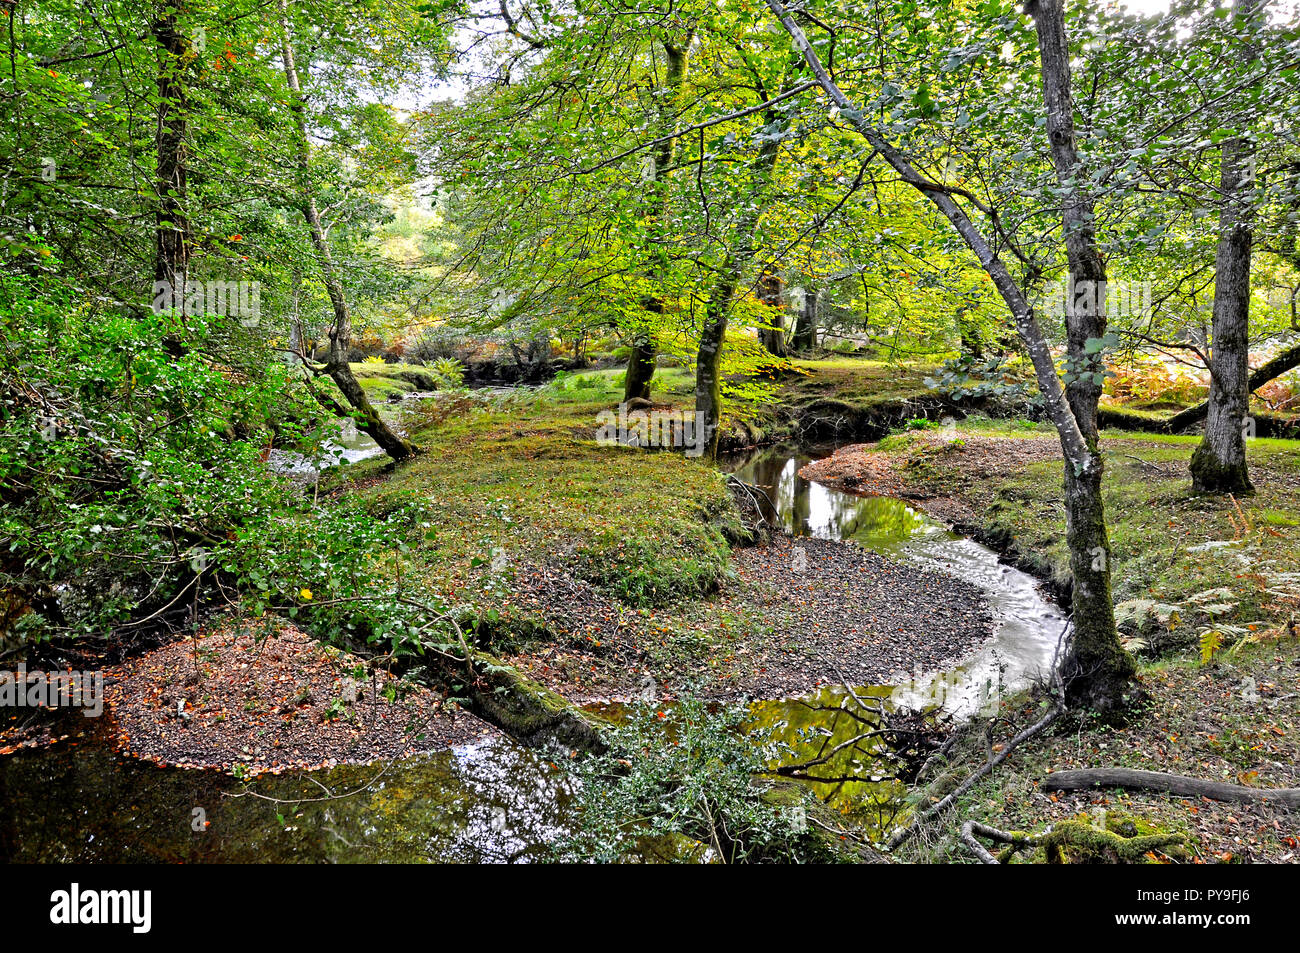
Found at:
[1219, 462]
[340, 334]
[1097, 668]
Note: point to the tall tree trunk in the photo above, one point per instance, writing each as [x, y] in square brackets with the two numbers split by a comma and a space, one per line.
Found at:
[171, 232]
[340, 335]
[1219, 462]
[769, 292]
[643, 359]
[1100, 666]
[296, 344]
[1097, 667]
[708, 360]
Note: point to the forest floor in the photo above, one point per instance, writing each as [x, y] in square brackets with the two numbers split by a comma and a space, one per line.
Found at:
[1225, 709]
[255, 696]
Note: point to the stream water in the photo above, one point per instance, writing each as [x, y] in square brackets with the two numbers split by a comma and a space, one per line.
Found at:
[494, 800]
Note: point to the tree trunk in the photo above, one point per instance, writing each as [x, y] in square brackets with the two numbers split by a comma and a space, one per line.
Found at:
[1101, 667]
[1219, 463]
[1097, 669]
[643, 359]
[769, 292]
[171, 233]
[340, 335]
[641, 364]
[805, 334]
[708, 361]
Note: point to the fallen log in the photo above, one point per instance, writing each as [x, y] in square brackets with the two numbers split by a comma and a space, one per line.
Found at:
[1284, 361]
[1175, 784]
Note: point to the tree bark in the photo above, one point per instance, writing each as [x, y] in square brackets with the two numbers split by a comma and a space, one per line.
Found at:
[171, 232]
[1097, 670]
[1219, 463]
[644, 357]
[770, 293]
[1176, 784]
[1101, 669]
[340, 335]
[805, 334]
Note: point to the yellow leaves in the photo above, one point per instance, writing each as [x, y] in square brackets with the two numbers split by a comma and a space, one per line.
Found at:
[304, 594]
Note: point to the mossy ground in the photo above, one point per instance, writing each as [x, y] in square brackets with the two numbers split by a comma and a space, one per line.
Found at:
[594, 556]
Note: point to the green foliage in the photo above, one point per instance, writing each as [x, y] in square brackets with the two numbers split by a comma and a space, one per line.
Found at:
[991, 377]
[450, 372]
[124, 464]
[692, 777]
[136, 490]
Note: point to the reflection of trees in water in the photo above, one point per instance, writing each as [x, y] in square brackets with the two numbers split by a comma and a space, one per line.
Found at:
[862, 774]
[490, 802]
[878, 518]
[805, 509]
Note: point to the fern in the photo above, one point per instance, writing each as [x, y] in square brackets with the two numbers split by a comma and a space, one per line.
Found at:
[1211, 643]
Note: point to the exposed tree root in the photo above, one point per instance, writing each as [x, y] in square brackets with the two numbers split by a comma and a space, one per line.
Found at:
[1095, 843]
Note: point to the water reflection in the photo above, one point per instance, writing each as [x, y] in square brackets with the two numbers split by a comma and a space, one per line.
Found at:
[492, 801]
[804, 508]
[856, 767]
[349, 446]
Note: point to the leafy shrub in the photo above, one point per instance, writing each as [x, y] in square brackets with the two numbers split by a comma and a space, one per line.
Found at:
[999, 377]
[692, 780]
[450, 372]
[136, 495]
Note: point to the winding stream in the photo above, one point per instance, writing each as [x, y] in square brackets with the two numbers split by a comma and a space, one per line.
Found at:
[1026, 625]
[494, 800]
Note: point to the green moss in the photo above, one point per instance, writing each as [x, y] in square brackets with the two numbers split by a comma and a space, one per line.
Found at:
[1079, 842]
[530, 486]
